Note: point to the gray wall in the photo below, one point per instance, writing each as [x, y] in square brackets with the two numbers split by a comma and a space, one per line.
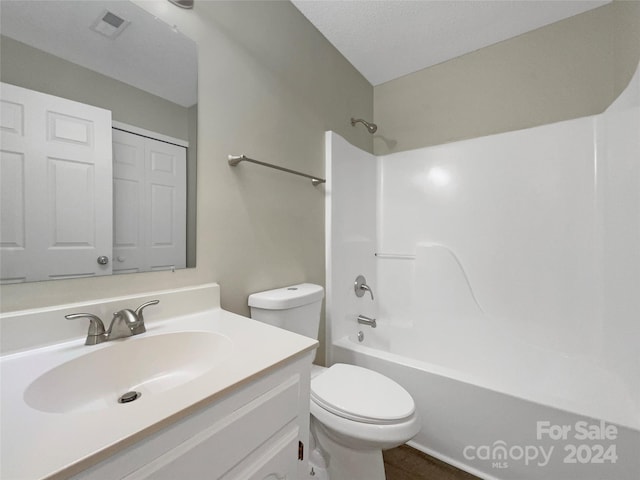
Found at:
[31, 68]
[269, 86]
[572, 68]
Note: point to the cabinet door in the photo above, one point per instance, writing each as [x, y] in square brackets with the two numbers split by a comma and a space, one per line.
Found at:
[279, 462]
[260, 437]
[56, 187]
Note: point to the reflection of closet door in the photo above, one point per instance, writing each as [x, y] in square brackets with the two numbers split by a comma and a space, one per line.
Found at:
[149, 185]
[128, 201]
[56, 187]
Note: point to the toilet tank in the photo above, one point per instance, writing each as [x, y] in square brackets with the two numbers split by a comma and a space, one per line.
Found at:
[295, 308]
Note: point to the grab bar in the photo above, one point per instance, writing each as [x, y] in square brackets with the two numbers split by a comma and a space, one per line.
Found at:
[236, 159]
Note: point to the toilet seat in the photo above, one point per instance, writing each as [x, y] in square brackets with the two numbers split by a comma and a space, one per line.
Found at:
[361, 395]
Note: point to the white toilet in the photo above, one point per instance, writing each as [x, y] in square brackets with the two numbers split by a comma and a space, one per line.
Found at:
[355, 412]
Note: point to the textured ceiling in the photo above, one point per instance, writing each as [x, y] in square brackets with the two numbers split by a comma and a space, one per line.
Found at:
[391, 38]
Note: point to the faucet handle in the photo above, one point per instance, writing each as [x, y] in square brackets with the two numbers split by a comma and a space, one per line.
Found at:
[96, 327]
[141, 328]
[367, 288]
[360, 286]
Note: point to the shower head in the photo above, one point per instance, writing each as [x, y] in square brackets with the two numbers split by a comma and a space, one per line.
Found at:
[371, 127]
[183, 3]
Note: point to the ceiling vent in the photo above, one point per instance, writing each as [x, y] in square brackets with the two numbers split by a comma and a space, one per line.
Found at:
[109, 24]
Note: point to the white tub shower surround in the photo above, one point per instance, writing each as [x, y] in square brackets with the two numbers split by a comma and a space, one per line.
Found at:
[506, 271]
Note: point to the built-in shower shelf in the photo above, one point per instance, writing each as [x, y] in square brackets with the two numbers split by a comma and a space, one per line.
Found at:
[396, 256]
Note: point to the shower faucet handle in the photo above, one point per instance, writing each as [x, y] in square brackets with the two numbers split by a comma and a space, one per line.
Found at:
[366, 288]
[360, 286]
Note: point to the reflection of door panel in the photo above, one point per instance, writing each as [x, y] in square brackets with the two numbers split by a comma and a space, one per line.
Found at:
[128, 198]
[149, 204]
[56, 187]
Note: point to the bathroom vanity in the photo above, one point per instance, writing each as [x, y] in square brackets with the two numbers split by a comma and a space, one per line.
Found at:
[222, 396]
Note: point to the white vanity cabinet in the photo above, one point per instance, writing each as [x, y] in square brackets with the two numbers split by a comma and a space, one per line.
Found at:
[235, 407]
[252, 431]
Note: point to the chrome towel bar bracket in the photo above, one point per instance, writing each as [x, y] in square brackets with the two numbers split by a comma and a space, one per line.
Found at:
[236, 159]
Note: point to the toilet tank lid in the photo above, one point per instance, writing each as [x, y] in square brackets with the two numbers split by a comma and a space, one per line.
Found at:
[287, 297]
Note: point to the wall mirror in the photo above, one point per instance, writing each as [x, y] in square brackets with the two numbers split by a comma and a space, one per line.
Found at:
[99, 113]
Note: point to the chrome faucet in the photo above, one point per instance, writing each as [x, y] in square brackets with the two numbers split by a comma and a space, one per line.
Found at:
[125, 323]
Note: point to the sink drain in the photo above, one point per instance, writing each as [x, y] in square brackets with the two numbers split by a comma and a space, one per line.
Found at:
[129, 397]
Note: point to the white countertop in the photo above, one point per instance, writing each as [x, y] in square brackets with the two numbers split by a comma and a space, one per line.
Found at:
[38, 445]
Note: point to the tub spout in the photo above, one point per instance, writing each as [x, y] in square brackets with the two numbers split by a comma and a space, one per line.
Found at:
[367, 321]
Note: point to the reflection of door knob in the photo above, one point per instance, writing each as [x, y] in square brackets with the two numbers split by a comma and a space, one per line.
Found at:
[103, 260]
[120, 258]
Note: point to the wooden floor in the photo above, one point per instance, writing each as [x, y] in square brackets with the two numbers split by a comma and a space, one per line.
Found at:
[406, 463]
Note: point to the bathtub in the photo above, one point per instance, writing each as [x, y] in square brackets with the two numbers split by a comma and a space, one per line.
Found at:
[538, 415]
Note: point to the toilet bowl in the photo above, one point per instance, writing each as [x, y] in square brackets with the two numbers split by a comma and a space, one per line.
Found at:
[363, 408]
[355, 412]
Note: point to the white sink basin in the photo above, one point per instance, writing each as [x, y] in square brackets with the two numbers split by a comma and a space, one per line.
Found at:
[145, 364]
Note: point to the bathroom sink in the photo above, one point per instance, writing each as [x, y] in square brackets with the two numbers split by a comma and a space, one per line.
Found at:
[147, 365]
